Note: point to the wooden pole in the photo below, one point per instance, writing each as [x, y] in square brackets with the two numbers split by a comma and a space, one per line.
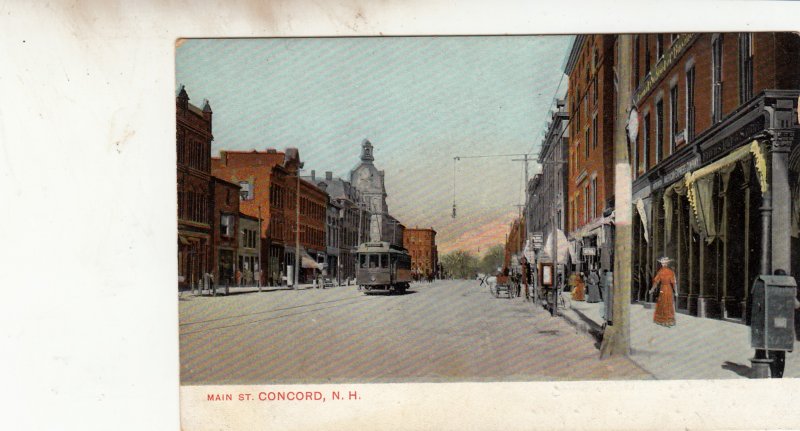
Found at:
[616, 340]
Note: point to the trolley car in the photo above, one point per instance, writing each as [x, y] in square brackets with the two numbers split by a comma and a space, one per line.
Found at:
[382, 267]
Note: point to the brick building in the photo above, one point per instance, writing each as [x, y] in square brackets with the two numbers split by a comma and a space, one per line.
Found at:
[193, 153]
[590, 176]
[269, 185]
[421, 245]
[716, 163]
[249, 246]
[546, 197]
[347, 225]
[224, 228]
[515, 243]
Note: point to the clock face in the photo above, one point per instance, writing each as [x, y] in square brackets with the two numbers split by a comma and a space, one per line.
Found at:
[363, 178]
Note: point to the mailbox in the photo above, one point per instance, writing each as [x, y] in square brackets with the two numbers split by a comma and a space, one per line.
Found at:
[772, 326]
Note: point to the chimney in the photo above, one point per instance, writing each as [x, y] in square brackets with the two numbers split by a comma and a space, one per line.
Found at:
[328, 176]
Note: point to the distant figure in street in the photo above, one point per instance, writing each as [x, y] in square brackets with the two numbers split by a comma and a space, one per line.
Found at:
[665, 307]
[594, 287]
[238, 277]
[578, 294]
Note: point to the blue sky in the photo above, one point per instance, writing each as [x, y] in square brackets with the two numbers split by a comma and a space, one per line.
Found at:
[420, 100]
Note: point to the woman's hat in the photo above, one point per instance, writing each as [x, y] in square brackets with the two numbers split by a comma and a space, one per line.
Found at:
[664, 259]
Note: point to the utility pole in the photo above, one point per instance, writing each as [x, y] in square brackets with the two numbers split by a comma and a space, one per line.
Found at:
[617, 340]
[297, 234]
[525, 159]
[260, 271]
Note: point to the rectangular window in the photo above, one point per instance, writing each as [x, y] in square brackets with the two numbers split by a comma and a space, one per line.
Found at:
[646, 142]
[646, 54]
[245, 191]
[226, 225]
[594, 197]
[690, 104]
[595, 132]
[659, 46]
[716, 79]
[594, 90]
[586, 203]
[586, 146]
[659, 130]
[673, 117]
[745, 67]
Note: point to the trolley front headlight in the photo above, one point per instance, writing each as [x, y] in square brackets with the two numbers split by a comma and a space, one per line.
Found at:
[372, 277]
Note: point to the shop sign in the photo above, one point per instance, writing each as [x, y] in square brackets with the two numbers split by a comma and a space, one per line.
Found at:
[677, 173]
[733, 140]
[665, 64]
[538, 240]
[590, 251]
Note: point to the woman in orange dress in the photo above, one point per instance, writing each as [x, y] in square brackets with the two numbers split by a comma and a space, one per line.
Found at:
[580, 288]
[665, 307]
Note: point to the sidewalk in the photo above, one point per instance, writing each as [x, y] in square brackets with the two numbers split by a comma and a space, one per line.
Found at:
[695, 348]
[236, 290]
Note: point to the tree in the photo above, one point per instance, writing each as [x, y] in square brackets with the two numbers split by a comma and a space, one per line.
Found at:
[460, 264]
[492, 259]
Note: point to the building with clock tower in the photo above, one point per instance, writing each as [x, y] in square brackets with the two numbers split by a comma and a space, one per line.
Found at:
[369, 181]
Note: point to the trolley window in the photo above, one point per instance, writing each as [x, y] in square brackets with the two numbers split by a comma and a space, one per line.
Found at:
[363, 260]
[384, 260]
[373, 260]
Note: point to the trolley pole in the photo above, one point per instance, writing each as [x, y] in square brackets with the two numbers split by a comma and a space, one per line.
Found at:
[616, 340]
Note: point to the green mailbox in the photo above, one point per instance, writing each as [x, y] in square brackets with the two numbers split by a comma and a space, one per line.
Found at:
[772, 326]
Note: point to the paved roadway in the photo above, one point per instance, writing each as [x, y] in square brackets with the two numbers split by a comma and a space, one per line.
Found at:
[444, 331]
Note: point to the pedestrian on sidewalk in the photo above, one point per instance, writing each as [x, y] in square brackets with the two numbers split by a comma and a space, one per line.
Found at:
[665, 308]
[594, 288]
[579, 291]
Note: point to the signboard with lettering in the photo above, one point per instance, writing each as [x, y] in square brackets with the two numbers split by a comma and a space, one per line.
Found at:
[538, 240]
[590, 251]
[663, 66]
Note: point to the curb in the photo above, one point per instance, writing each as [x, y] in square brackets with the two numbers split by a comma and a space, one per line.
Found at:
[591, 329]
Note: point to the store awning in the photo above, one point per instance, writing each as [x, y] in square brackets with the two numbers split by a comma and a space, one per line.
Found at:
[643, 208]
[562, 244]
[700, 185]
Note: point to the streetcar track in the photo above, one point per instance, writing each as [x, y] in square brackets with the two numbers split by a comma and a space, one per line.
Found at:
[359, 300]
[262, 312]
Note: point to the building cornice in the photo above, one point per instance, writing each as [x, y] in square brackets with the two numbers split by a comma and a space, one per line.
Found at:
[577, 44]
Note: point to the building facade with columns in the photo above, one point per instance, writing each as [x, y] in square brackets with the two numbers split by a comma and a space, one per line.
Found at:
[716, 162]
